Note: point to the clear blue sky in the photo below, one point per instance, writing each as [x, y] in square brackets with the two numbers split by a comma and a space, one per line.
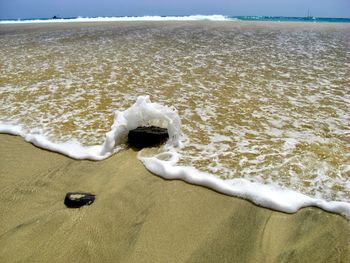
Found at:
[67, 8]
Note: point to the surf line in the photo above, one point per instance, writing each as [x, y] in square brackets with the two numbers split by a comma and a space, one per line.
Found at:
[164, 165]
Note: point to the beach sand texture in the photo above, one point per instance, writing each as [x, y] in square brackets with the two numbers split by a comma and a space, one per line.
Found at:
[139, 217]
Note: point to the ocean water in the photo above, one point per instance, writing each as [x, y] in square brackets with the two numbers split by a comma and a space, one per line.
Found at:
[178, 18]
[264, 106]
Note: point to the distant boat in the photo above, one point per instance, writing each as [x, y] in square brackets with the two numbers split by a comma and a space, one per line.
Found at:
[309, 16]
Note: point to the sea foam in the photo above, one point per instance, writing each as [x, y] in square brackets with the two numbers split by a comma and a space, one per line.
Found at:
[144, 112]
[123, 18]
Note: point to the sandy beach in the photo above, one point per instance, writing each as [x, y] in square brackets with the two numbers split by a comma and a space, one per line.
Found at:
[139, 217]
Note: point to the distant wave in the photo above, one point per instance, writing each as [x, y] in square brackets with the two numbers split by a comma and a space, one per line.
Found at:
[124, 18]
[177, 18]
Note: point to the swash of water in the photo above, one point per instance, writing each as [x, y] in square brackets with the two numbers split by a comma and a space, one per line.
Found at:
[264, 101]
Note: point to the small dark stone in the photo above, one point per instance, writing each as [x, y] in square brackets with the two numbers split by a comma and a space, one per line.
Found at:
[76, 199]
[142, 137]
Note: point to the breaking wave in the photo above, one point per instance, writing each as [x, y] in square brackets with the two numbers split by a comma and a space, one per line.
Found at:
[123, 18]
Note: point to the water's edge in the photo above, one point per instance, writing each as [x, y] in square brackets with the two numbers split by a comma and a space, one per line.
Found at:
[164, 164]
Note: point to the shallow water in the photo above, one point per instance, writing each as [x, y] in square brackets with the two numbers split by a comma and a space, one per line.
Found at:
[264, 101]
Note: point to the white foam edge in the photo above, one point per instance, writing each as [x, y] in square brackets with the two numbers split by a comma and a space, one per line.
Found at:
[264, 195]
[125, 18]
[141, 113]
[164, 164]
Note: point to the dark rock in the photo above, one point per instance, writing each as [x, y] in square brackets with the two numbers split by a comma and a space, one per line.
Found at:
[76, 200]
[142, 137]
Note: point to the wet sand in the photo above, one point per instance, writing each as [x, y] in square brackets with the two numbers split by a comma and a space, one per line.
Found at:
[139, 217]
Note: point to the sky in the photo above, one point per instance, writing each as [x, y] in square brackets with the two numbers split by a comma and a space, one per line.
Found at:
[13, 9]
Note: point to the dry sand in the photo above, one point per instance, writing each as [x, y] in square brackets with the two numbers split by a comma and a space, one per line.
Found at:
[139, 217]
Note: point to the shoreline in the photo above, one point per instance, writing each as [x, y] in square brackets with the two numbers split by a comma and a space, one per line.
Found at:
[138, 216]
[269, 196]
